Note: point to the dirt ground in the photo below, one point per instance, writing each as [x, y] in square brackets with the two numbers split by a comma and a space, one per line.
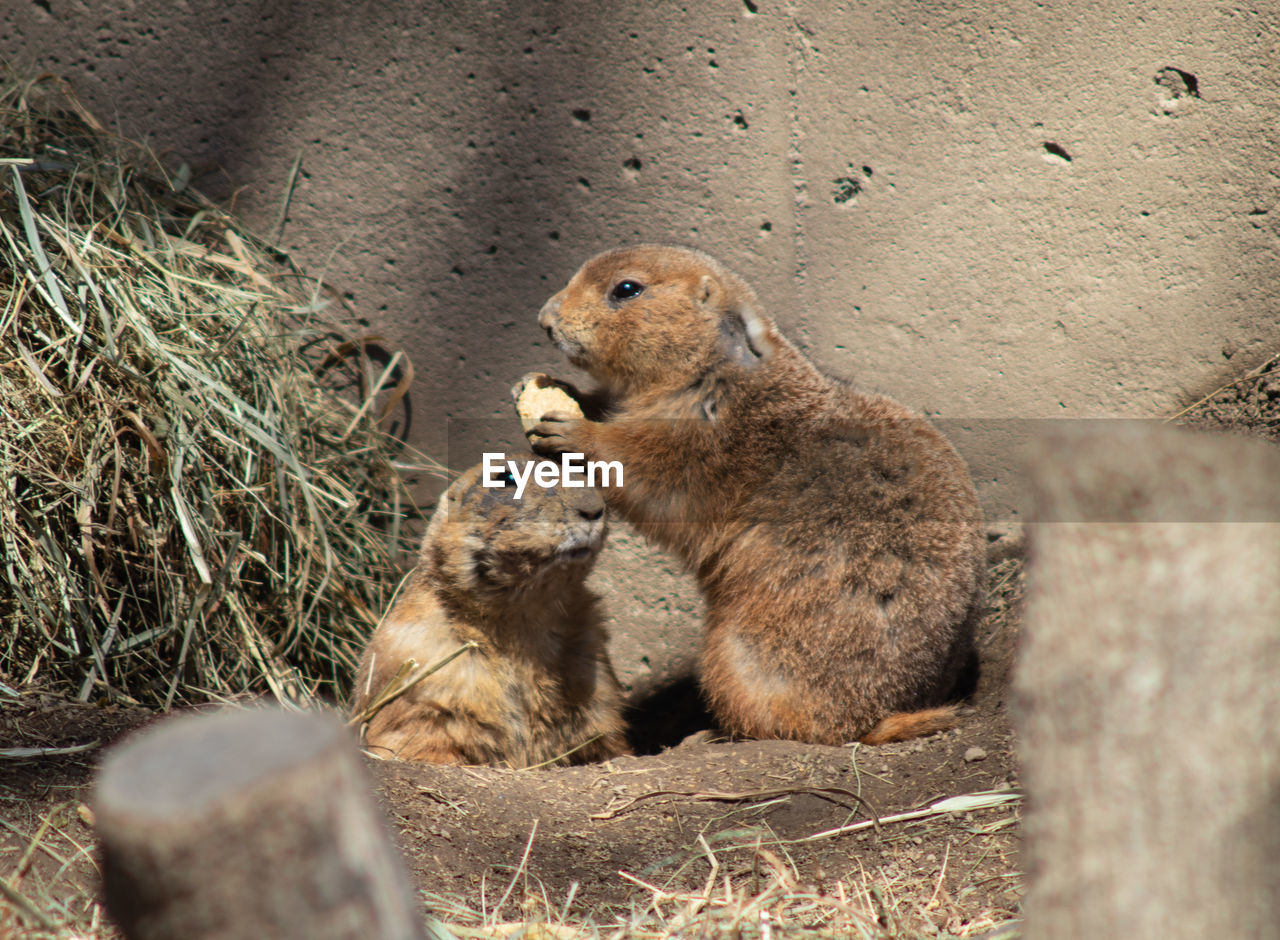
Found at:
[706, 838]
[703, 828]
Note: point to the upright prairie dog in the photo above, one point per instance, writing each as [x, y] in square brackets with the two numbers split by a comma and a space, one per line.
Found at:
[836, 535]
[509, 575]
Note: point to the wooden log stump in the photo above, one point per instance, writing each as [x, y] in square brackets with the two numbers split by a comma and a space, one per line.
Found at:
[1148, 687]
[249, 824]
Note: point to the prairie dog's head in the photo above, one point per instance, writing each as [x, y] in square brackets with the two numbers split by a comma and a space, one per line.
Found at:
[484, 541]
[656, 316]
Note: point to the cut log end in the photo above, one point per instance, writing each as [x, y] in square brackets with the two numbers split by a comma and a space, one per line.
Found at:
[247, 823]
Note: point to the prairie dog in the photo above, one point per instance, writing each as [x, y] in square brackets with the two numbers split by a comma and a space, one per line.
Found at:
[508, 574]
[836, 535]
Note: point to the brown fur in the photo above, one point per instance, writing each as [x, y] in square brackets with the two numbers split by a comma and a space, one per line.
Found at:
[836, 535]
[508, 574]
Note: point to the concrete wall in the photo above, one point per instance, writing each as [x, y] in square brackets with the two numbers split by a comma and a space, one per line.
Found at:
[987, 210]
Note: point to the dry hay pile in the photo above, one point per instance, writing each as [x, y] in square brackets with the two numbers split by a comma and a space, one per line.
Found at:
[189, 507]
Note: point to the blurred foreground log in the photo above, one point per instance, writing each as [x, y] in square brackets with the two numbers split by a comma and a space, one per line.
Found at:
[1149, 687]
[247, 824]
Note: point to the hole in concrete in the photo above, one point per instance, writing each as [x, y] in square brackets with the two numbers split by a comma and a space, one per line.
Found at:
[1056, 150]
[44, 5]
[846, 188]
[581, 114]
[1177, 83]
[766, 227]
[751, 7]
[633, 164]
[667, 716]
[740, 121]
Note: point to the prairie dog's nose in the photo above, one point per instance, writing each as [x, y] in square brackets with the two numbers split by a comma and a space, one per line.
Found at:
[588, 504]
[549, 313]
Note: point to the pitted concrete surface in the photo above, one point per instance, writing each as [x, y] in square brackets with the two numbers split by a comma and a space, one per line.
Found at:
[987, 210]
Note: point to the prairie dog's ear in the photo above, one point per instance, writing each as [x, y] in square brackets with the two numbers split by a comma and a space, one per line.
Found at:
[744, 337]
[709, 291]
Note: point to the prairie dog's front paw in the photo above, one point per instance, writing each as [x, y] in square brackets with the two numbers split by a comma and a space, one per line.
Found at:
[538, 394]
[552, 434]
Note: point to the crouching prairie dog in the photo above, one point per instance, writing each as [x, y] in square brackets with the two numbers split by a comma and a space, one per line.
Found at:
[836, 535]
[508, 574]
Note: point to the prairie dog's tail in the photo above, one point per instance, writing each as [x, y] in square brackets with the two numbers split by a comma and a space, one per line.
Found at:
[906, 725]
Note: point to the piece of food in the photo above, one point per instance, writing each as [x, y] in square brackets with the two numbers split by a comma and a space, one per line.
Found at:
[538, 393]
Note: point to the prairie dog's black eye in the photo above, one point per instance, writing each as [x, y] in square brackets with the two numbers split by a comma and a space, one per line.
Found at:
[625, 290]
[508, 479]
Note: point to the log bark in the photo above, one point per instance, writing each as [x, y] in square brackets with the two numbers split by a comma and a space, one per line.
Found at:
[249, 824]
[1148, 687]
